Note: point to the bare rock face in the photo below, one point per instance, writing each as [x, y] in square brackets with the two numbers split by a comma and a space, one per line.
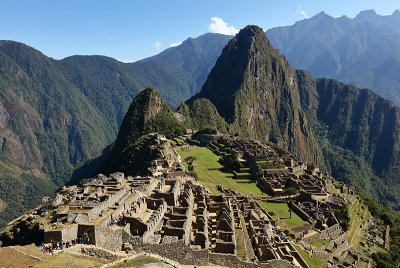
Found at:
[3, 205]
[4, 115]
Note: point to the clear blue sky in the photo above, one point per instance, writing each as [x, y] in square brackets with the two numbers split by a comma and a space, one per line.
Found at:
[132, 30]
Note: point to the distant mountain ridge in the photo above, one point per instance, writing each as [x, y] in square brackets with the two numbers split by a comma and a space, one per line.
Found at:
[364, 51]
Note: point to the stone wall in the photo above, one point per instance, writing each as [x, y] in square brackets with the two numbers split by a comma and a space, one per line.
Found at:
[70, 232]
[124, 206]
[153, 224]
[302, 228]
[67, 233]
[55, 235]
[229, 260]
[99, 253]
[302, 214]
[189, 216]
[103, 206]
[108, 238]
[332, 232]
[178, 252]
[133, 240]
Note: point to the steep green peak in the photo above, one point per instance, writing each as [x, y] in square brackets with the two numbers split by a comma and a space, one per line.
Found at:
[251, 33]
[148, 113]
[249, 67]
[143, 107]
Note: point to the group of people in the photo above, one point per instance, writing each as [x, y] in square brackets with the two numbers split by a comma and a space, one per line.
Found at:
[120, 219]
[53, 245]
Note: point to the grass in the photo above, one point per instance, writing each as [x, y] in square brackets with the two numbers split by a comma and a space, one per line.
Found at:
[70, 260]
[280, 213]
[319, 243]
[313, 262]
[250, 252]
[240, 247]
[356, 212]
[136, 262]
[205, 160]
[9, 257]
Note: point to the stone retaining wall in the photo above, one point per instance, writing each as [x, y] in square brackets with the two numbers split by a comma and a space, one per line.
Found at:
[178, 252]
[103, 206]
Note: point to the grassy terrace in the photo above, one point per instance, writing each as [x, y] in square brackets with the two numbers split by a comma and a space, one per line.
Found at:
[280, 213]
[137, 262]
[319, 243]
[209, 171]
[359, 214]
[313, 262]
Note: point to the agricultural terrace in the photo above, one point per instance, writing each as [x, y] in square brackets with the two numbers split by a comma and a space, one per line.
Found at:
[210, 171]
[280, 213]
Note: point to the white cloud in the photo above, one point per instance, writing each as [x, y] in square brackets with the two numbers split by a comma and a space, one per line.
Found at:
[157, 45]
[175, 44]
[218, 25]
[302, 12]
[126, 61]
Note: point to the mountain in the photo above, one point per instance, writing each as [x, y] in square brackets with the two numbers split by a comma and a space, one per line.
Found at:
[255, 90]
[47, 127]
[179, 72]
[364, 51]
[56, 114]
[148, 113]
[352, 133]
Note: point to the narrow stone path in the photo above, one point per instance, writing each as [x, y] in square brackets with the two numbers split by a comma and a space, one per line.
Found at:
[26, 254]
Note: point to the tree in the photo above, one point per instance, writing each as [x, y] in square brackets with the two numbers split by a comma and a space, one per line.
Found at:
[289, 191]
[231, 161]
[190, 159]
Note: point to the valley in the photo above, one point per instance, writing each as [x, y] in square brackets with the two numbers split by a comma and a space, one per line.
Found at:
[236, 160]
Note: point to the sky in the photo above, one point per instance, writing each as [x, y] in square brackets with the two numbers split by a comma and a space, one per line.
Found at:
[132, 30]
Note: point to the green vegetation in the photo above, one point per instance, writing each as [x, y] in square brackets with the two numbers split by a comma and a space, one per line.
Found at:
[60, 113]
[280, 213]
[136, 262]
[132, 152]
[210, 172]
[319, 243]
[201, 114]
[134, 160]
[343, 216]
[207, 130]
[290, 191]
[389, 258]
[240, 244]
[313, 262]
[230, 162]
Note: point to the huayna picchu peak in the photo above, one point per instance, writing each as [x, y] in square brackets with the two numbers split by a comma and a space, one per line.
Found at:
[255, 89]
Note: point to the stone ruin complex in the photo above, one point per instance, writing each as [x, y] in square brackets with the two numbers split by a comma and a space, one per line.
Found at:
[275, 170]
[171, 214]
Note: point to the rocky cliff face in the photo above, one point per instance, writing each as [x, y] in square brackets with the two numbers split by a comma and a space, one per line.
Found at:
[357, 119]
